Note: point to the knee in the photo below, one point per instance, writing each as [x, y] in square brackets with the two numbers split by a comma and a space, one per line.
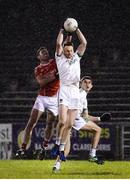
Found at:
[49, 125]
[69, 126]
[99, 130]
[29, 127]
[61, 124]
[31, 124]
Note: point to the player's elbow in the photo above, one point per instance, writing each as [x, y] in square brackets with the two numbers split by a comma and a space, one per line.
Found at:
[58, 44]
[84, 43]
[61, 124]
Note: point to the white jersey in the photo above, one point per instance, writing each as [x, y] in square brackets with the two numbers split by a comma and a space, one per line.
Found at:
[69, 69]
[83, 103]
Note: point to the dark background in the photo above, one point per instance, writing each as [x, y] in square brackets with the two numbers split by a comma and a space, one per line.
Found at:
[25, 25]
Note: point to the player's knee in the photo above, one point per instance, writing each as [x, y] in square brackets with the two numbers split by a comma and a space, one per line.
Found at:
[49, 125]
[61, 124]
[69, 126]
[99, 130]
[32, 126]
[31, 123]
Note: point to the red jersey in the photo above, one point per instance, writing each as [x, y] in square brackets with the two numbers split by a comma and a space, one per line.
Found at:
[42, 70]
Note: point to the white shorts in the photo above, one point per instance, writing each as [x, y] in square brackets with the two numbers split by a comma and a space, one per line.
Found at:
[79, 123]
[45, 102]
[69, 96]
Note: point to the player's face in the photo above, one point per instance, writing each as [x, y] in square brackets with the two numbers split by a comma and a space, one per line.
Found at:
[68, 51]
[43, 55]
[86, 85]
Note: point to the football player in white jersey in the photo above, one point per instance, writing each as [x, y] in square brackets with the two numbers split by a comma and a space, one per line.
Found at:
[68, 63]
[85, 122]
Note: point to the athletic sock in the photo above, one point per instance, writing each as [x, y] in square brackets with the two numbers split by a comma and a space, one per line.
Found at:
[58, 141]
[57, 165]
[93, 152]
[62, 146]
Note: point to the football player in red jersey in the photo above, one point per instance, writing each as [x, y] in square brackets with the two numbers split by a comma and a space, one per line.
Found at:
[46, 75]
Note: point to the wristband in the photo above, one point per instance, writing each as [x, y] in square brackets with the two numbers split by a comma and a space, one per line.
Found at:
[98, 118]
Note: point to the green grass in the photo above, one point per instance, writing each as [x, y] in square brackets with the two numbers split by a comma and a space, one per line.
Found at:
[35, 169]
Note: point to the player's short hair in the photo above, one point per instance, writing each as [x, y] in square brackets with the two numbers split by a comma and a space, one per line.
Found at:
[41, 49]
[68, 44]
[86, 77]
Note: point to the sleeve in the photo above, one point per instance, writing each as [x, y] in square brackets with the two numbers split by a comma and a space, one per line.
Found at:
[77, 57]
[57, 57]
[85, 104]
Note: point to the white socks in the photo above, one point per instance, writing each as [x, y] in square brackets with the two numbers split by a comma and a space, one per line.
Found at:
[93, 152]
[57, 165]
[62, 146]
[58, 141]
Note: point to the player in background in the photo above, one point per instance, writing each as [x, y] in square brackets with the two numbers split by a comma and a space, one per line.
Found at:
[68, 63]
[46, 75]
[86, 122]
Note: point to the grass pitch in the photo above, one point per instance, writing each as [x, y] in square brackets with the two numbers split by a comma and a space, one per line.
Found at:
[36, 169]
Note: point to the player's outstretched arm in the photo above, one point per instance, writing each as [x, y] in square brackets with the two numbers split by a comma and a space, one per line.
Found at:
[83, 42]
[89, 117]
[105, 117]
[59, 42]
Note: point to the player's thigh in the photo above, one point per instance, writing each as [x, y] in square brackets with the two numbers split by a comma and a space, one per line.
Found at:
[91, 126]
[35, 116]
[72, 113]
[51, 104]
[51, 119]
[63, 113]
